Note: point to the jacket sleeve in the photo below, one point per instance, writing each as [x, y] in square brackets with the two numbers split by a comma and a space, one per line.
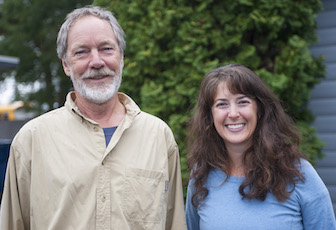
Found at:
[15, 204]
[175, 208]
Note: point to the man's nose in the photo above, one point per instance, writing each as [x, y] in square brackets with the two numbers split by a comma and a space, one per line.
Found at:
[96, 61]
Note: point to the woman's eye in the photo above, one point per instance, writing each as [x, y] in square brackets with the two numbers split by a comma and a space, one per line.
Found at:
[244, 102]
[221, 104]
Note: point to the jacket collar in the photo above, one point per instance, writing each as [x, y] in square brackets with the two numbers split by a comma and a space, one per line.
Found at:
[132, 109]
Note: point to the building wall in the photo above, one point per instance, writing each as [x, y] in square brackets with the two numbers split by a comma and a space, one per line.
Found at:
[8, 129]
[323, 96]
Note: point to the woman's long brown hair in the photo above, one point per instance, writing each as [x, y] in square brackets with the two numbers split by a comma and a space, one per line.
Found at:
[270, 163]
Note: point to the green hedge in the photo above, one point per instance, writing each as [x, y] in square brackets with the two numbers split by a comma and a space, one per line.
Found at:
[172, 44]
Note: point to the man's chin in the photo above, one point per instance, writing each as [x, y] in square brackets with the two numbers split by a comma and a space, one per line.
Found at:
[99, 99]
[97, 94]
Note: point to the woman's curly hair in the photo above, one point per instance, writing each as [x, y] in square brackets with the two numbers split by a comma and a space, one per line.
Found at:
[270, 163]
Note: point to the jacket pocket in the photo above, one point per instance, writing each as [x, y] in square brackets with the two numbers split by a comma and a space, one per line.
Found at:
[145, 197]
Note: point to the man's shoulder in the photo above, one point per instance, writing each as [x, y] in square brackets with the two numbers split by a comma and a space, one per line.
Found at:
[152, 120]
[150, 116]
[44, 120]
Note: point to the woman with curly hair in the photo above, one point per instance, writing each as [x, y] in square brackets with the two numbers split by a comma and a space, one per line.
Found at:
[246, 168]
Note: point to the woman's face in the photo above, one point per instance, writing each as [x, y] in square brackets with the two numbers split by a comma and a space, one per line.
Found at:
[235, 117]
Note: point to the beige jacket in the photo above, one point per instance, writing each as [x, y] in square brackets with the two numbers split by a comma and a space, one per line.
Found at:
[62, 176]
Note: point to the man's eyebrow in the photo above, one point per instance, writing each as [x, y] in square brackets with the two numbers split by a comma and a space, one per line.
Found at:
[78, 46]
[108, 42]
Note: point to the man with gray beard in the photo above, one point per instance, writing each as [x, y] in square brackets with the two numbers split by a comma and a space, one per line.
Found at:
[98, 162]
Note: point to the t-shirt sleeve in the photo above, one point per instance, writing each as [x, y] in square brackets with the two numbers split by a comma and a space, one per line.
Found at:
[316, 206]
[192, 216]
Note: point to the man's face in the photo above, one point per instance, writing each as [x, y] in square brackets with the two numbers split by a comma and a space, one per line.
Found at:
[94, 62]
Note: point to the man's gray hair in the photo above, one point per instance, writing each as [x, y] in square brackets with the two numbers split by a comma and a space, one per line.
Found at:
[62, 38]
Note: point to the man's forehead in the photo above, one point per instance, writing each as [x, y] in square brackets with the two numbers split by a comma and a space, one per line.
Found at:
[88, 17]
[91, 23]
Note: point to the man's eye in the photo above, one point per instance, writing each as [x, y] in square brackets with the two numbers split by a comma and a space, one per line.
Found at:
[107, 49]
[79, 52]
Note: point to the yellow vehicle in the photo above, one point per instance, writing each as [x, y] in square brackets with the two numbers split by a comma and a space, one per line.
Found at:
[7, 112]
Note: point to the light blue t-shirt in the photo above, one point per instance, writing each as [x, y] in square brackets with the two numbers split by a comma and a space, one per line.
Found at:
[309, 206]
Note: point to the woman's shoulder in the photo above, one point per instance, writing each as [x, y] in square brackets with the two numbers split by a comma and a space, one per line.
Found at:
[312, 185]
[307, 169]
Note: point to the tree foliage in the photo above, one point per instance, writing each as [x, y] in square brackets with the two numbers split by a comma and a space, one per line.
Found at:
[171, 44]
[29, 29]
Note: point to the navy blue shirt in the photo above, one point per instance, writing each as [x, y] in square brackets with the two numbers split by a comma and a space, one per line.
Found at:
[109, 133]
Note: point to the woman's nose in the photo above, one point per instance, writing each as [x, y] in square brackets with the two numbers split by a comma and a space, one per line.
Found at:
[234, 112]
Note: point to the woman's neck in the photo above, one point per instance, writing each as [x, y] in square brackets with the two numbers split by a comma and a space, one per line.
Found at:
[236, 155]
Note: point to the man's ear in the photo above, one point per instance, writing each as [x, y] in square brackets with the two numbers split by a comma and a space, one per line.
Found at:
[66, 68]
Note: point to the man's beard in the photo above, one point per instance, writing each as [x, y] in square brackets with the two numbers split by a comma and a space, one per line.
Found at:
[98, 93]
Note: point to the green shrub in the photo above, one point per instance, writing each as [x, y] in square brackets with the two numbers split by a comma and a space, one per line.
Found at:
[172, 44]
